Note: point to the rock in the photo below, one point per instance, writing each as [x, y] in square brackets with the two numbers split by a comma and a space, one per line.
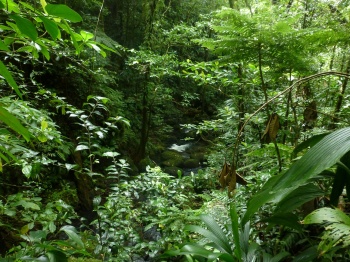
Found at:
[190, 163]
[200, 156]
[172, 158]
[152, 234]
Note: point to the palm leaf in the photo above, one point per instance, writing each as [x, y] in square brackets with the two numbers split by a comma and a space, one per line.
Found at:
[217, 231]
[218, 243]
[337, 226]
[323, 155]
[235, 230]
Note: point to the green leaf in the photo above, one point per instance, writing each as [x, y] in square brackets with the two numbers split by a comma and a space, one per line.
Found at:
[43, 49]
[4, 150]
[7, 75]
[52, 227]
[108, 48]
[71, 33]
[298, 197]
[337, 226]
[42, 138]
[86, 35]
[309, 254]
[10, 5]
[71, 232]
[214, 233]
[25, 26]
[286, 219]
[28, 205]
[195, 249]
[14, 124]
[63, 11]
[214, 228]
[70, 166]
[27, 170]
[111, 154]
[3, 46]
[56, 256]
[235, 230]
[43, 4]
[279, 256]
[35, 236]
[51, 27]
[341, 179]
[323, 155]
[308, 143]
[327, 215]
[81, 147]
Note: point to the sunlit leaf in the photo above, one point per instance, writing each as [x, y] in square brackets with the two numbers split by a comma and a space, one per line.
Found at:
[72, 234]
[111, 154]
[10, 6]
[63, 11]
[81, 147]
[43, 4]
[86, 35]
[3, 46]
[51, 27]
[27, 170]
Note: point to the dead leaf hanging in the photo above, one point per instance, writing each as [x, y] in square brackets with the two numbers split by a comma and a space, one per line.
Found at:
[223, 175]
[310, 115]
[271, 129]
[274, 126]
[228, 178]
[231, 182]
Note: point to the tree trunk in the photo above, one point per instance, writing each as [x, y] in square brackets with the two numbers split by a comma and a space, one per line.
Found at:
[84, 184]
[231, 3]
[263, 85]
[146, 119]
[340, 97]
[240, 93]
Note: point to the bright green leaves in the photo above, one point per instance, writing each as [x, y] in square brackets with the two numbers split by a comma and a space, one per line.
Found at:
[4, 47]
[25, 26]
[10, 6]
[63, 11]
[51, 27]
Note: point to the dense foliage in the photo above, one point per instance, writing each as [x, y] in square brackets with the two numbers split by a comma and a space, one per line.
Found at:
[175, 130]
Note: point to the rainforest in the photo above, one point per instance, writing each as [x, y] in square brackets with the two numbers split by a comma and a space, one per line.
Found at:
[174, 130]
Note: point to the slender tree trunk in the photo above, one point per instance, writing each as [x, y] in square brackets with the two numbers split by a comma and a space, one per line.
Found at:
[263, 85]
[146, 118]
[84, 184]
[286, 122]
[231, 3]
[306, 14]
[330, 69]
[240, 94]
[340, 97]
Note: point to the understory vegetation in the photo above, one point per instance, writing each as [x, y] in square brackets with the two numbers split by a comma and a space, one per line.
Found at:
[169, 130]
